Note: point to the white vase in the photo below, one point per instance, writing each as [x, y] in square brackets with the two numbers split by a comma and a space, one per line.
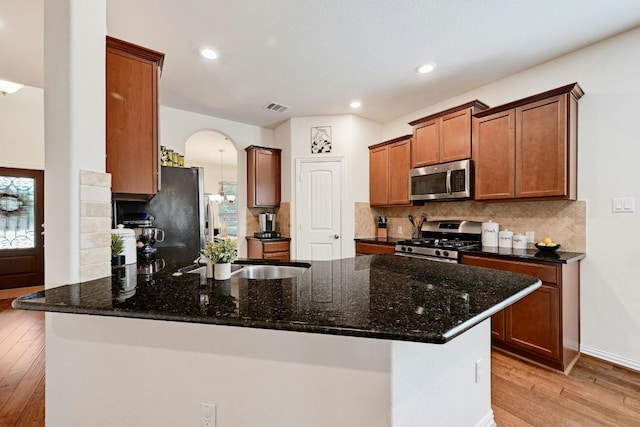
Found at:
[222, 271]
[209, 268]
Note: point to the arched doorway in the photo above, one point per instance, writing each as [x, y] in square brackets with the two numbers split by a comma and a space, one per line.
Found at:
[218, 157]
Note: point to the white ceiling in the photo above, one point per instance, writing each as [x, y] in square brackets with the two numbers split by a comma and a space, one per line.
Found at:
[318, 55]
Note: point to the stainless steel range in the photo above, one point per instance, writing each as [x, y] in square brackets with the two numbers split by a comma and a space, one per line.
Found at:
[441, 240]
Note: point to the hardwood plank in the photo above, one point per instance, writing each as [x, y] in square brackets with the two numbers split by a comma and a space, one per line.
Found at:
[33, 414]
[504, 418]
[594, 393]
[13, 293]
[18, 400]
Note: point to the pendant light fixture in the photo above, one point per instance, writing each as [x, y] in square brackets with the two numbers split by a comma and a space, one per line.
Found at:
[221, 197]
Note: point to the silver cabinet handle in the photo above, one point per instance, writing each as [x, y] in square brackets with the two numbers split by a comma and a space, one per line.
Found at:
[335, 236]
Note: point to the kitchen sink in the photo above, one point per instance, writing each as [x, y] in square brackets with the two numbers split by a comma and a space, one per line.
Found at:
[202, 269]
[265, 272]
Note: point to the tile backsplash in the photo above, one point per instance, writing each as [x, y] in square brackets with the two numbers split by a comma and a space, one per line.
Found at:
[283, 219]
[563, 221]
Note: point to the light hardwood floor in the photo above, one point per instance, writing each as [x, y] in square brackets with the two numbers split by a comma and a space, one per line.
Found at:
[21, 367]
[595, 393]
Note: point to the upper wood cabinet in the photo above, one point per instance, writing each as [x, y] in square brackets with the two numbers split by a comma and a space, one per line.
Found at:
[132, 74]
[389, 164]
[263, 177]
[527, 149]
[445, 136]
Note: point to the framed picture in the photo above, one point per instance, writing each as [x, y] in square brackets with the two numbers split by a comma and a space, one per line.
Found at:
[321, 139]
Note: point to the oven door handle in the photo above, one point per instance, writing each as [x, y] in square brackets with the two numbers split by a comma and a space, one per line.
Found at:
[449, 186]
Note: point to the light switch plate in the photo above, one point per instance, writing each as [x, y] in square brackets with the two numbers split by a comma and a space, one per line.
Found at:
[623, 204]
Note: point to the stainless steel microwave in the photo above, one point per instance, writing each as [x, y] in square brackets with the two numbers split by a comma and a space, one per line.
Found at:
[444, 181]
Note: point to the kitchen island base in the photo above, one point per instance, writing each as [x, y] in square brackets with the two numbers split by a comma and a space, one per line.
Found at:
[105, 371]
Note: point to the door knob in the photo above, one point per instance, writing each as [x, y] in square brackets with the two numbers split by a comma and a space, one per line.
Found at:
[335, 236]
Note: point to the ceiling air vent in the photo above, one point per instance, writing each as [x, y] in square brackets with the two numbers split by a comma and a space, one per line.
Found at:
[274, 106]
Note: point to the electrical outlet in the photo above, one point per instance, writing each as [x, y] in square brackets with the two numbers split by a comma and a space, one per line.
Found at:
[208, 415]
[399, 229]
[479, 371]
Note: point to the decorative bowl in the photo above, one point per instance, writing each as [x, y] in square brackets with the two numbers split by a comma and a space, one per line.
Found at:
[547, 248]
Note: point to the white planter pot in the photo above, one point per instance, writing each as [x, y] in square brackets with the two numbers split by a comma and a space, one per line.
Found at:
[222, 271]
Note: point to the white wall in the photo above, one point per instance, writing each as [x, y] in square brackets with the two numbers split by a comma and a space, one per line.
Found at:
[22, 129]
[608, 166]
[351, 135]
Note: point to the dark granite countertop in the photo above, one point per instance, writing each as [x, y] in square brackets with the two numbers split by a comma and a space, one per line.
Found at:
[557, 257]
[376, 296]
[270, 239]
[390, 241]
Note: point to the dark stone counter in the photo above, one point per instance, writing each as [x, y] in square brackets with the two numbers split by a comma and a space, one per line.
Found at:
[390, 241]
[376, 296]
[557, 257]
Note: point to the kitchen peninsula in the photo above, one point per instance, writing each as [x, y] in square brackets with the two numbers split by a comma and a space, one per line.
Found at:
[280, 352]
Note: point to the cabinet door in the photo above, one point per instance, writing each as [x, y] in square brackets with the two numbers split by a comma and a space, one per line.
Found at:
[541, 153]
[494, 156]
[379, 176]
[533, 323]
[399, 165]
[263, 178]
[455, 136]
[497, 326]
[425, 144]
[131, 123]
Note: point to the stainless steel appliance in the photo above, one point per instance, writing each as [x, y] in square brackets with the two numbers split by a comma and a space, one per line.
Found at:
[267, 226]
[444, 181]
[441, 240]
[177, 209]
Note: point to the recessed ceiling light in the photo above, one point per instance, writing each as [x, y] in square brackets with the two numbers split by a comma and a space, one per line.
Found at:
[209, 53]
[355, 104]
[426, 68]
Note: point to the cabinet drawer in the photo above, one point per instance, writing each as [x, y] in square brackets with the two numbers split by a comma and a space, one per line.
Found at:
[372, 248]
[547, 273]
[279, 256]
[275, 246]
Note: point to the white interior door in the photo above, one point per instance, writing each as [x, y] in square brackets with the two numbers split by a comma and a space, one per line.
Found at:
[319, 209]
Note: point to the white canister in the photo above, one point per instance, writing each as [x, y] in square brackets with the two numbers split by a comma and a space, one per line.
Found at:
[129, 243]
[506, 239]
[490, 233]
[519, 241]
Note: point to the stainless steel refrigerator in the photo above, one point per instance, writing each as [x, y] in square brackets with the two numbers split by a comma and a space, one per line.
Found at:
[178, 208]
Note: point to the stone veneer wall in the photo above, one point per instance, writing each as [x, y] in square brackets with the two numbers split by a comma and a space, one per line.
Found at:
[563, 221]
[95, 225]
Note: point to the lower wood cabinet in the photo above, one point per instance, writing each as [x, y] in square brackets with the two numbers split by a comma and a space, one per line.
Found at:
[545, 325]
[368, 248]
[268, 249]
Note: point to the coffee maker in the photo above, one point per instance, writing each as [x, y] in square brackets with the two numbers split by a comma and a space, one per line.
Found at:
[267, 226]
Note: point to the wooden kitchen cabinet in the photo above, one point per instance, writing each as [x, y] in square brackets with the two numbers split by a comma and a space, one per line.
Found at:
[389, 164]
[268, 249]
[527, 149]
[132, 74]
[445, 136]
[263, 177]
[545, 325]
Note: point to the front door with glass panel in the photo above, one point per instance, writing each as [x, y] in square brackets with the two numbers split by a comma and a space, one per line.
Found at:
[21, 218]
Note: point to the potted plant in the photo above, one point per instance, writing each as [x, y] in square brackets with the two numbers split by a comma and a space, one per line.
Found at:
[221, 253]
[117, 246]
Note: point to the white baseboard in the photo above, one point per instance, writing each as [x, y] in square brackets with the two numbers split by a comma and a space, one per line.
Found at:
[487, 420]
[610, 357]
